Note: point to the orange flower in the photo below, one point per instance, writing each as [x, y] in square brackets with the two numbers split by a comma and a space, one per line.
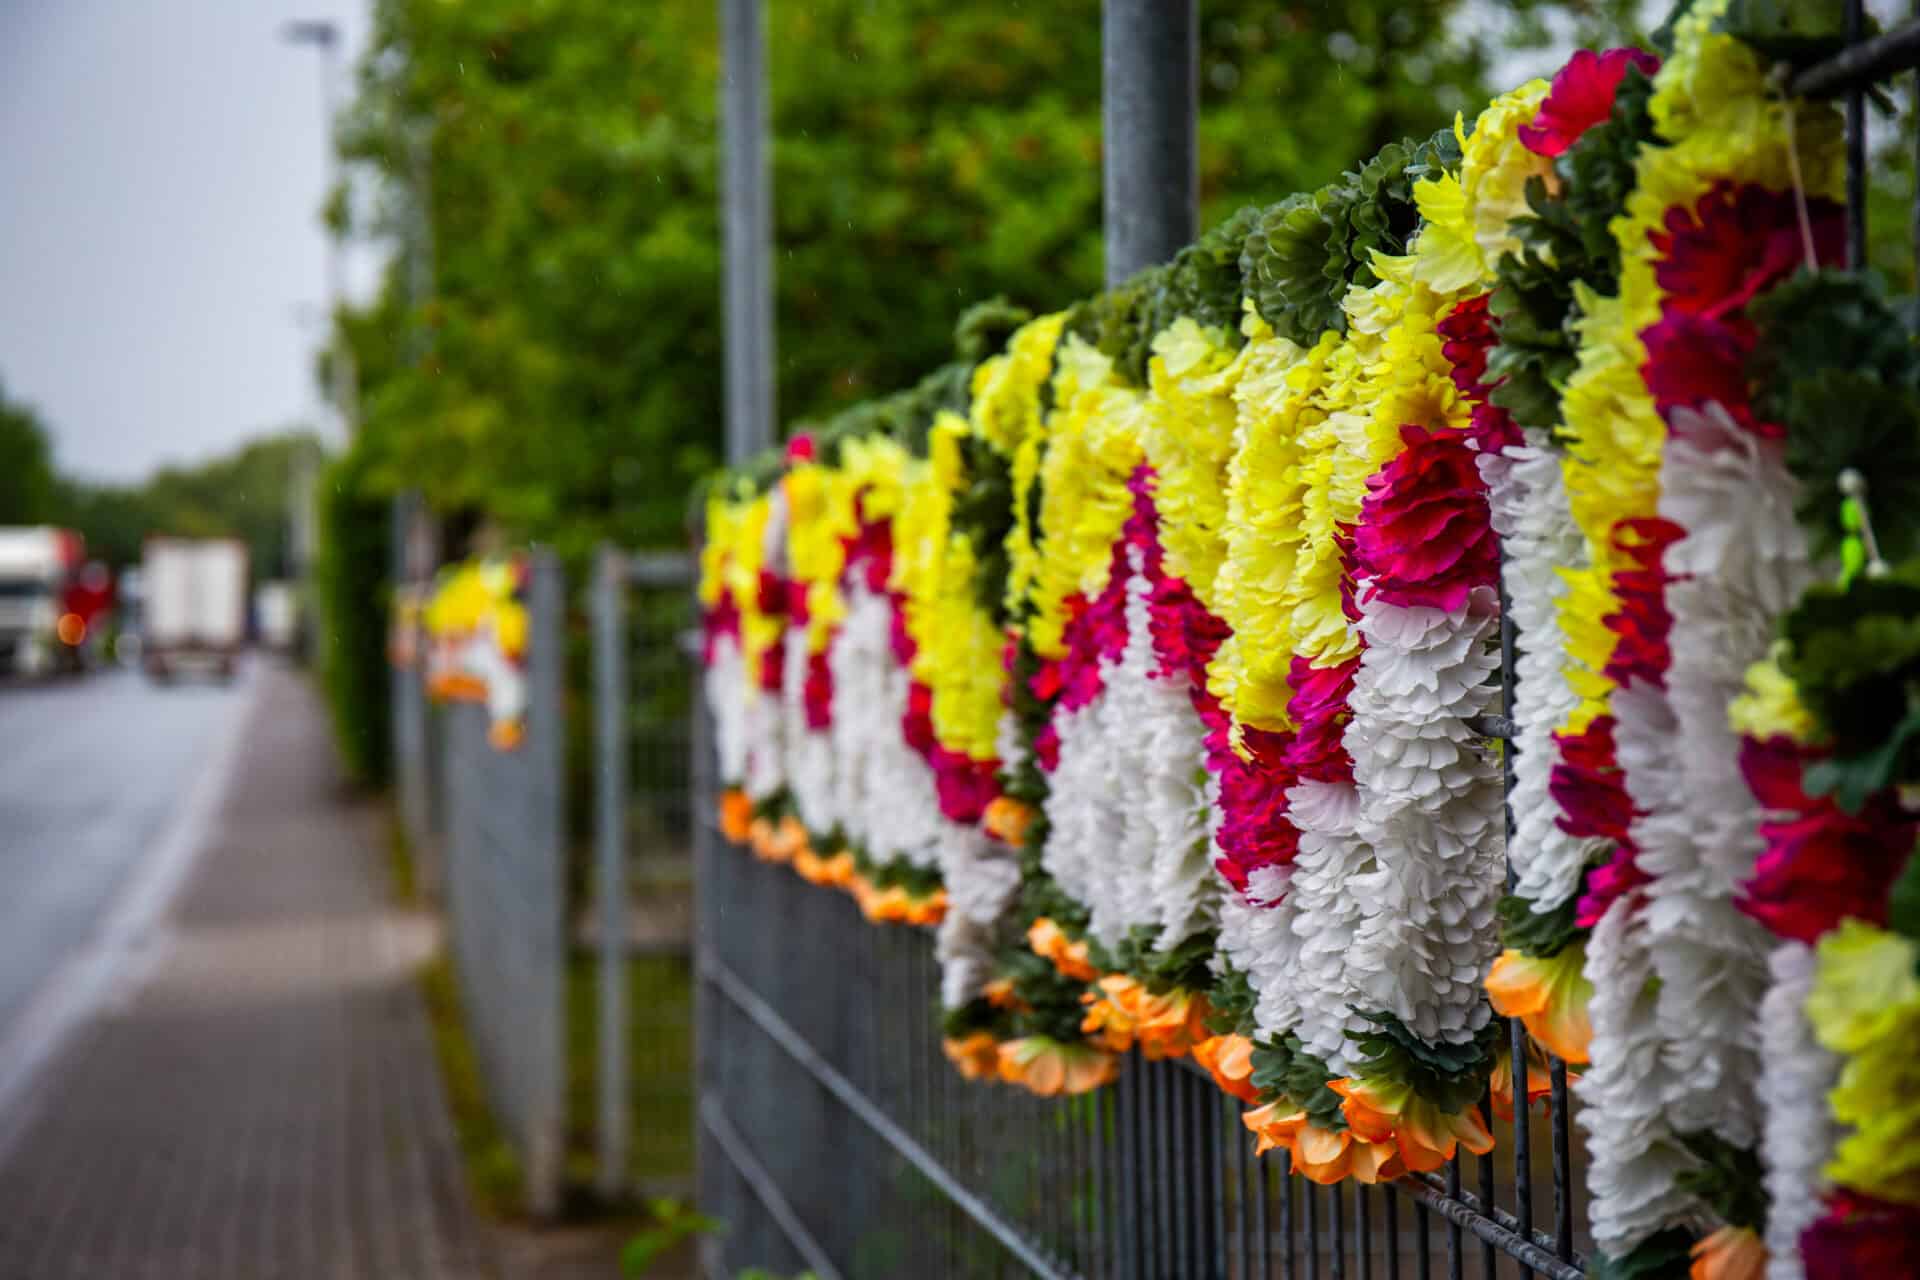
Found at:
[505, 735]
[1325, 1156]
[1549, 995]
[1007, 820]
[1229, 1060]
[736, 815]
[1107, 1024]
[1050, 941]
[1425, 1136]
[810, 866]
[760, 835]
[838, 870]
[1539, 1081]
[1731, 1253]
[1170, 1025]
[1047, 1067]
[928, 911]
[999, 994]
[789, 839]
[976, 1056]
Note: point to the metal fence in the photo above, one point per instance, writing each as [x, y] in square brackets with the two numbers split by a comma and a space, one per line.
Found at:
[416, 747]
[642, 690]
[835, 1137]
[505, 864]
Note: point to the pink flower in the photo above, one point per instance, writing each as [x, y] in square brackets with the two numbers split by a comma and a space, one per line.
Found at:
[916, 723]
[1581, 97]
[965, 786]
[1425, 539]
[1588, 785]
[1254, 830]
[773, 669]
[721, 620]
[799, 448]
[1319, 709]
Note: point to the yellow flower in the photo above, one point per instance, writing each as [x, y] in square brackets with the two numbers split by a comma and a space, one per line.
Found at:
[1189, 434]
[1771, 706]
[1006, 388]
[1865, 1005]
[1494, 169]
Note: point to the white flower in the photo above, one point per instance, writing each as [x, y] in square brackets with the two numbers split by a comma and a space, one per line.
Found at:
[1429, 809]
[886, 801]
[1799, 1132]
[1305, 978]
[726, 691]
[1636, 1158]
[1539, 539]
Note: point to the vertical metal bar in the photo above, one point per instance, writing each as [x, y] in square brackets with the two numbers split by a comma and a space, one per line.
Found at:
[1246, 1169]
[1150, 84]
[1286, 1213]
[1363, 1226]
[1856, 147]
[1562, 1162]
[611, 779]
[1487, 1194]
[1336, 1233]
[1313, 1232]
[1456, 1241]
[1218, 1114]
[545, 775]
[1393, 1234]
[747, 193]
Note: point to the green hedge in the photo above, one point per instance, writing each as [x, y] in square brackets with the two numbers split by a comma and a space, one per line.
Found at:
[353, 591]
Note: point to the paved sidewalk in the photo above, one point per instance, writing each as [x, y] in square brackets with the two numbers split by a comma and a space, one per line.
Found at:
[266, 1104]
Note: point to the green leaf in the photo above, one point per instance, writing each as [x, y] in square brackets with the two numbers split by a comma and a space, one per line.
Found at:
[1729, 1179]
[1541, 934]
[1903, 903]
[1283, 1068]
[1666, 1256]
[1451, 1076]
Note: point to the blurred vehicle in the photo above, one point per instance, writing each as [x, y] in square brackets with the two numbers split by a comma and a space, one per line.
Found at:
[127, 597]
[87, 611]
[37, 567]
[193, 605]
[276, 616]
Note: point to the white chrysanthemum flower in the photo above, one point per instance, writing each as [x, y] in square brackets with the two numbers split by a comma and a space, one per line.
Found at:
[811, 765]
[1799, 1132]
[1539, 539]
[982, 876]
[1127, 805]
[764, 726]
[726, 690]
[1306, 979]
[887, 802]
[1430, 812]
[1636, 1160]
[964, 948]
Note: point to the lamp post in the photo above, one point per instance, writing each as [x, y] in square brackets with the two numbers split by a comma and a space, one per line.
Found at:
[324, 35]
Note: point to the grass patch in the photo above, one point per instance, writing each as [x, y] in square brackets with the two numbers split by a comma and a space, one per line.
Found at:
[660, 1061]
[493, 1169]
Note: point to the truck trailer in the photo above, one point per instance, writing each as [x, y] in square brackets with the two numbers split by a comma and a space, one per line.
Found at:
[193, 605]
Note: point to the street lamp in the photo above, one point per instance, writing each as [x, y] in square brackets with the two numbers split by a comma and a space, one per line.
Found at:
[324, 35]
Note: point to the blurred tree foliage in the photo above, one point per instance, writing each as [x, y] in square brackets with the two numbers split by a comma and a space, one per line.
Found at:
[28, 486]
[243, 494]
[561, 368]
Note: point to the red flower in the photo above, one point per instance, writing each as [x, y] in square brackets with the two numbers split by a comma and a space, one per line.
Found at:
[1046, 747]
[799, 448]
[1425, 539]
[1317, 752]
[916, 724]
[1821, 865]
[1643, 622]
[721, 620]
[772, 669]
[1861, 1236]
[1581, 97]
[1693, 361]
[898, 637]
[1737, 242]
[771, 594]
[1469, 333]
[1254, 830]
[1608, 883]
[819, 693]
[965, 786]
[1588, 784]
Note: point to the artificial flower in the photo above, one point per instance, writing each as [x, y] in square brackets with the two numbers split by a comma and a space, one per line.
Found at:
[1581, 96]
[1549, 995]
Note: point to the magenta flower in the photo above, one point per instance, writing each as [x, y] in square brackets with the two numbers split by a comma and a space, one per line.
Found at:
[1581, 96]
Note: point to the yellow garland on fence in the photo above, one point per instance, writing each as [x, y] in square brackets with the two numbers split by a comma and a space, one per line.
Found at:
[820, 515]
[1189, 423]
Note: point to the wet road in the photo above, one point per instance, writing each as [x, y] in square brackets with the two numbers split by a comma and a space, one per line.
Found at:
[95, 777]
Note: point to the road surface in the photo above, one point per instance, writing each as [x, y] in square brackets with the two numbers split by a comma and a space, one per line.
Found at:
[96, 775]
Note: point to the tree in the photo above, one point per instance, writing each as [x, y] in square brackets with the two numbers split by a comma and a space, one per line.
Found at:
[27, 486]
[927, 154]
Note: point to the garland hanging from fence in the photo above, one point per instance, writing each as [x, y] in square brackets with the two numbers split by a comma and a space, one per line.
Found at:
[1151, 652]
[476, 624]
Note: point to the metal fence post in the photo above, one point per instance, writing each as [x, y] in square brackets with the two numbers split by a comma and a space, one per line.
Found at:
[1149, 105]
[545, 883]
[610, 698]
[747, 207]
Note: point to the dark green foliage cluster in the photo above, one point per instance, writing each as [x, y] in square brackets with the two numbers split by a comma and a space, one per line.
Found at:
[1231, 1000]
[1665, 1256]
[1185, 966]
[1835, 366]
[1564, 238]
[1853, 652]
[901, 873]
[1451, 1076]
[27, 481]
[1543, 934]
[1796, 32]
[1729, 1180]
[1302, 254]
[350, 579]
[1283, 1068]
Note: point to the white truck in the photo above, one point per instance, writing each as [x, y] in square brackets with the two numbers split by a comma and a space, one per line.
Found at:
[193, 604]
[38, 564]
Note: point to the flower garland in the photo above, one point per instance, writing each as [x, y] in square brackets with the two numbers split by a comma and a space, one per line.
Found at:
[1159, 639]
[476, 624]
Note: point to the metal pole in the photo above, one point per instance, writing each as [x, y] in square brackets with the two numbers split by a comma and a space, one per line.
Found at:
[1150, 84]
[610, 794]
[342, 390]
[542, 1034]
[747, 209]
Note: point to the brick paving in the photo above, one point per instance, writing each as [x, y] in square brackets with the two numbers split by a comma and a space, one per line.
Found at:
[267, 1103]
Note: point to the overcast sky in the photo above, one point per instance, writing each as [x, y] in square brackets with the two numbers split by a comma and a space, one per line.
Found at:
[162, 264]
